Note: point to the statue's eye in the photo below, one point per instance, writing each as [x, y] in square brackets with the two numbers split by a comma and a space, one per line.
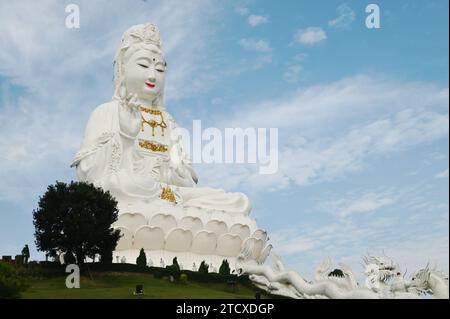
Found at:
[160, 70]
[143, 65]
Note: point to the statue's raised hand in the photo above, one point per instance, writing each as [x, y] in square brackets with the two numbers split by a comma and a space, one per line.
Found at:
[130, 116]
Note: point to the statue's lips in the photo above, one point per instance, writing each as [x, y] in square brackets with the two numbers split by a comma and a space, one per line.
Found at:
[150, 85]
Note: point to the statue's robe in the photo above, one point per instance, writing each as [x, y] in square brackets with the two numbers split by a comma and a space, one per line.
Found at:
[100, 157]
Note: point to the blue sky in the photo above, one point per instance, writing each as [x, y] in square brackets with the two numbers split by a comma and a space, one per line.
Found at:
[362, 113]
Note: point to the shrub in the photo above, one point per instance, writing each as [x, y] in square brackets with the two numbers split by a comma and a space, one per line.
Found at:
[174, 269]
[141, 261]
[203, 269]
[175, 264]
[224, 268]
[184, 278]
[10, 284]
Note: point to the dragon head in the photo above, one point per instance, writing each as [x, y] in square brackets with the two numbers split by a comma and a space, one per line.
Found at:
[383, 268]
[420, 281]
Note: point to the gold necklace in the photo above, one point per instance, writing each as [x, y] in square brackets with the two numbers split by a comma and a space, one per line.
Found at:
[152, 123]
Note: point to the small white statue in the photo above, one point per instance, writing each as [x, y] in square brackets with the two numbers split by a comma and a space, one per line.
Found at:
[123, 260]
[161, 263]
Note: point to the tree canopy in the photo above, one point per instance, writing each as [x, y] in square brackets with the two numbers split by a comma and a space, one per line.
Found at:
[224, 268]
[204, 268]
[141, 260]
[76, 218]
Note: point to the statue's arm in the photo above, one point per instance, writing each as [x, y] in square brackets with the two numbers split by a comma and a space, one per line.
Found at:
[101, 149]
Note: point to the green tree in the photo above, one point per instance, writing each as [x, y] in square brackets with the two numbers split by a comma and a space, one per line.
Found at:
[224, 268]
[77, 218]
[175, 265]
[204, 267]
[174, 269]
[69, 258]
[141, 261]
[10, 284]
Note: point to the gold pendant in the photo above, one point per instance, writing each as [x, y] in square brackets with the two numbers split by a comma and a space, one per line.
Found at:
[152, 123]
[167, 194]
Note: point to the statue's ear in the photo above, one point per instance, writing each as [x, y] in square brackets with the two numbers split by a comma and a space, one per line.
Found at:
[122, 91]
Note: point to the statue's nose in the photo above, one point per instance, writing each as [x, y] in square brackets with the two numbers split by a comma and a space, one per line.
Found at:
[151, 75]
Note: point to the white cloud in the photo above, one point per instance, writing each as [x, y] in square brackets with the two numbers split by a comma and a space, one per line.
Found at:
[325, 159]
[358, 204]
[345, 17]
[310, 36]
[332, 130]
[294, 68]
[292, 73]
[259, 45]
[290, 242]
[443, 174]
[83, 52]
[255, 20]
[241, 11]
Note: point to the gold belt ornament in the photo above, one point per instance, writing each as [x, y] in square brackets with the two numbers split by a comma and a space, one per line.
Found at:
[152, 123]
[153, 146]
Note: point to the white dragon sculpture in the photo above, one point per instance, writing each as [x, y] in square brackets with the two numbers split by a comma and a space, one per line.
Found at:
[383, 280]
[430, 281]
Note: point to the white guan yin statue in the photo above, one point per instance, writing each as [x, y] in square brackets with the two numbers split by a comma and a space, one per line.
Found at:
[130, 149]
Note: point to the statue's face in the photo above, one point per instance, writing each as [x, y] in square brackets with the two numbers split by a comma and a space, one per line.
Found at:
[144, 73]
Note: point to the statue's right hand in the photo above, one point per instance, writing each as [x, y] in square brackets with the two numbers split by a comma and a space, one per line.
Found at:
[130, 116]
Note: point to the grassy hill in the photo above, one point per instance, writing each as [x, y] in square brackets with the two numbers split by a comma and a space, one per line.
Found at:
[119, 281]
[122, 285]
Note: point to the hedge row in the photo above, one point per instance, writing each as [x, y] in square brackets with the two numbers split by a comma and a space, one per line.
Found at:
[51, 269]
[168, 271]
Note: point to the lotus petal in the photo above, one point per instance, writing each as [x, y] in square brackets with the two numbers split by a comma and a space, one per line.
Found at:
[149, 238]
[179, 239]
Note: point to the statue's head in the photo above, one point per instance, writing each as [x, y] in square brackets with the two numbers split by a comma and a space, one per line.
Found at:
[140, 66]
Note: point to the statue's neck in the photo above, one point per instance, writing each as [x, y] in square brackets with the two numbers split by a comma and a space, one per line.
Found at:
[151, 105]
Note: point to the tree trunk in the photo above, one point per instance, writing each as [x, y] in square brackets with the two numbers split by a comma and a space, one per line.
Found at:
[80, 257]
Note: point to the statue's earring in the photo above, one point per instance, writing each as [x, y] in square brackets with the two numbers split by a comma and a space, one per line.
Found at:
[123, 92]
